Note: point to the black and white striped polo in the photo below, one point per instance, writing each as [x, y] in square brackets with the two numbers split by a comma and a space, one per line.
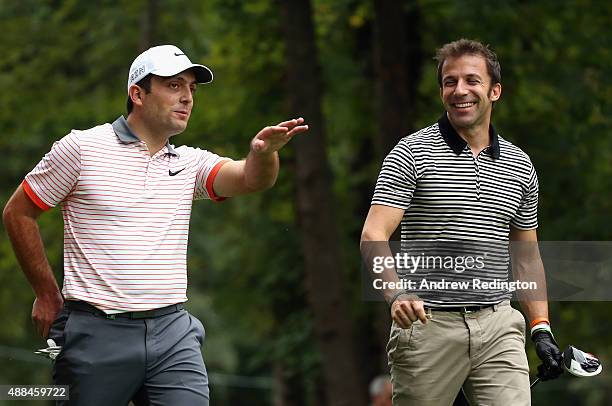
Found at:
[454, 200]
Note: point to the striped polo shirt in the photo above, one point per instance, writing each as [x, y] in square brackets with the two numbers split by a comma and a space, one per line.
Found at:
[126, 214]
[457, 204]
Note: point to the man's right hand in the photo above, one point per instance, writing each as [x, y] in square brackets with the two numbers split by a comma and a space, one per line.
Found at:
[405, 310]
[45, 311]
[20, 221]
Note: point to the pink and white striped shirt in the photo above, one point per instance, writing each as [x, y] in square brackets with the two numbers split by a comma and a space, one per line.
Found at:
[126, 214]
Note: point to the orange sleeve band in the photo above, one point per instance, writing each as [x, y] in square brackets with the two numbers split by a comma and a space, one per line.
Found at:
[538, 321]
[33, 197]
[210, 180]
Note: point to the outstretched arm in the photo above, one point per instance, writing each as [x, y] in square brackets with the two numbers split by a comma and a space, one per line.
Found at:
[260, 168]
[19, 217]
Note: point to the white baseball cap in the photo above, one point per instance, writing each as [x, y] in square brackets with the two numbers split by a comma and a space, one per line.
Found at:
[165, 60]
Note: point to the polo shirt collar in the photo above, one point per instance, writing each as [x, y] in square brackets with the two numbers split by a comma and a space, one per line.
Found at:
[125, 134]
[457, 144]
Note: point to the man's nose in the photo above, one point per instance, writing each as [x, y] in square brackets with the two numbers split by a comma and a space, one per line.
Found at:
[187, 97]
[461, 87]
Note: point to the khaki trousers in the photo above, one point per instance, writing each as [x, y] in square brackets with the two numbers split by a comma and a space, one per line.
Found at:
[482, 352]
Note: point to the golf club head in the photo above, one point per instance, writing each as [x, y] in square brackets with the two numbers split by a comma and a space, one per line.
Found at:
[52, 351]
[580, 363]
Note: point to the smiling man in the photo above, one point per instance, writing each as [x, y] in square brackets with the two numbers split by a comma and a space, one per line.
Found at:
[126, 195]
[458, 184]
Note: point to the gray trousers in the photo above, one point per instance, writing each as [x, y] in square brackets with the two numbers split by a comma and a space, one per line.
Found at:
[153, 361]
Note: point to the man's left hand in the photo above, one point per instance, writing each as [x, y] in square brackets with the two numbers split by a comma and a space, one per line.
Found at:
[548, 351]
[273, 138]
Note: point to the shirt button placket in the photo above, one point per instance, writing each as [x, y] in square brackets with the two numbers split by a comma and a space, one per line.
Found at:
[145, 151]
[147, 175]
[477, 171]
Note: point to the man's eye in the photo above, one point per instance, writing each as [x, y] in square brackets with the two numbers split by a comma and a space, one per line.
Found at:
[174, 85]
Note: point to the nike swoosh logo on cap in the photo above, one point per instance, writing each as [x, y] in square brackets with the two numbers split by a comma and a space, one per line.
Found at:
[175, 54]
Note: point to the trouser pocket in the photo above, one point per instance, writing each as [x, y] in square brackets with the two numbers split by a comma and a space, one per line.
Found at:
[57, 329]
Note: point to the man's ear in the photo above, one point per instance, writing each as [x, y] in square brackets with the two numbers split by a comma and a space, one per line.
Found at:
[495, 92]
[135, 93]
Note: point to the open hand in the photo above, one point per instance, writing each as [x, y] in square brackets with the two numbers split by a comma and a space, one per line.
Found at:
[271, 139]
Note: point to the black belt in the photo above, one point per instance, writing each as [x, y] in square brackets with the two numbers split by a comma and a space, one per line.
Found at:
[148, 314]
[460, 309]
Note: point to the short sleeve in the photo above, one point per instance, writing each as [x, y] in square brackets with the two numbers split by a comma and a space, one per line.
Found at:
[56, 175]
[526, 217]
[208, 165]
[397, 179]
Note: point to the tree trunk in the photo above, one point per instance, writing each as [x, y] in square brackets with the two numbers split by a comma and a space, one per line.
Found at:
[397, 67]
[148, 25]
[287, 392]
[397, 72]
[315, 212]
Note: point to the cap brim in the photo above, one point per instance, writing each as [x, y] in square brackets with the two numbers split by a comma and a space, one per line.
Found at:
[202, 73]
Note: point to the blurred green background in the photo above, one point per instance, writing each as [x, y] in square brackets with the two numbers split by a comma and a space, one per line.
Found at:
[275, 276]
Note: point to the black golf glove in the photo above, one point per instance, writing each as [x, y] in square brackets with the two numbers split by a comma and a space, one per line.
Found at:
[548, 351]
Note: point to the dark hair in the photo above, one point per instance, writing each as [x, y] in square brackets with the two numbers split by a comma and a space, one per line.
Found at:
[464, 46]
[144, 83]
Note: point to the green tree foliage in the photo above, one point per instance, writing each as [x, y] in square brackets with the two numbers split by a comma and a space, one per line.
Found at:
[64, 65]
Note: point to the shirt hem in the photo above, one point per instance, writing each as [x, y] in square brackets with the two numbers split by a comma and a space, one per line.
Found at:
[210, 180]
[33, 196]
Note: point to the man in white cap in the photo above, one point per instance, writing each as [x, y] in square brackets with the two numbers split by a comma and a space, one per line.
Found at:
[126, 195]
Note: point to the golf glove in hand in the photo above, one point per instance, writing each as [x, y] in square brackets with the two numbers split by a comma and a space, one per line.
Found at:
[548, 351]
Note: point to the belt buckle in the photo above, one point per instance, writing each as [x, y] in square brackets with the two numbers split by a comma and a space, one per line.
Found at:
[465, 310]
[143, 315]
